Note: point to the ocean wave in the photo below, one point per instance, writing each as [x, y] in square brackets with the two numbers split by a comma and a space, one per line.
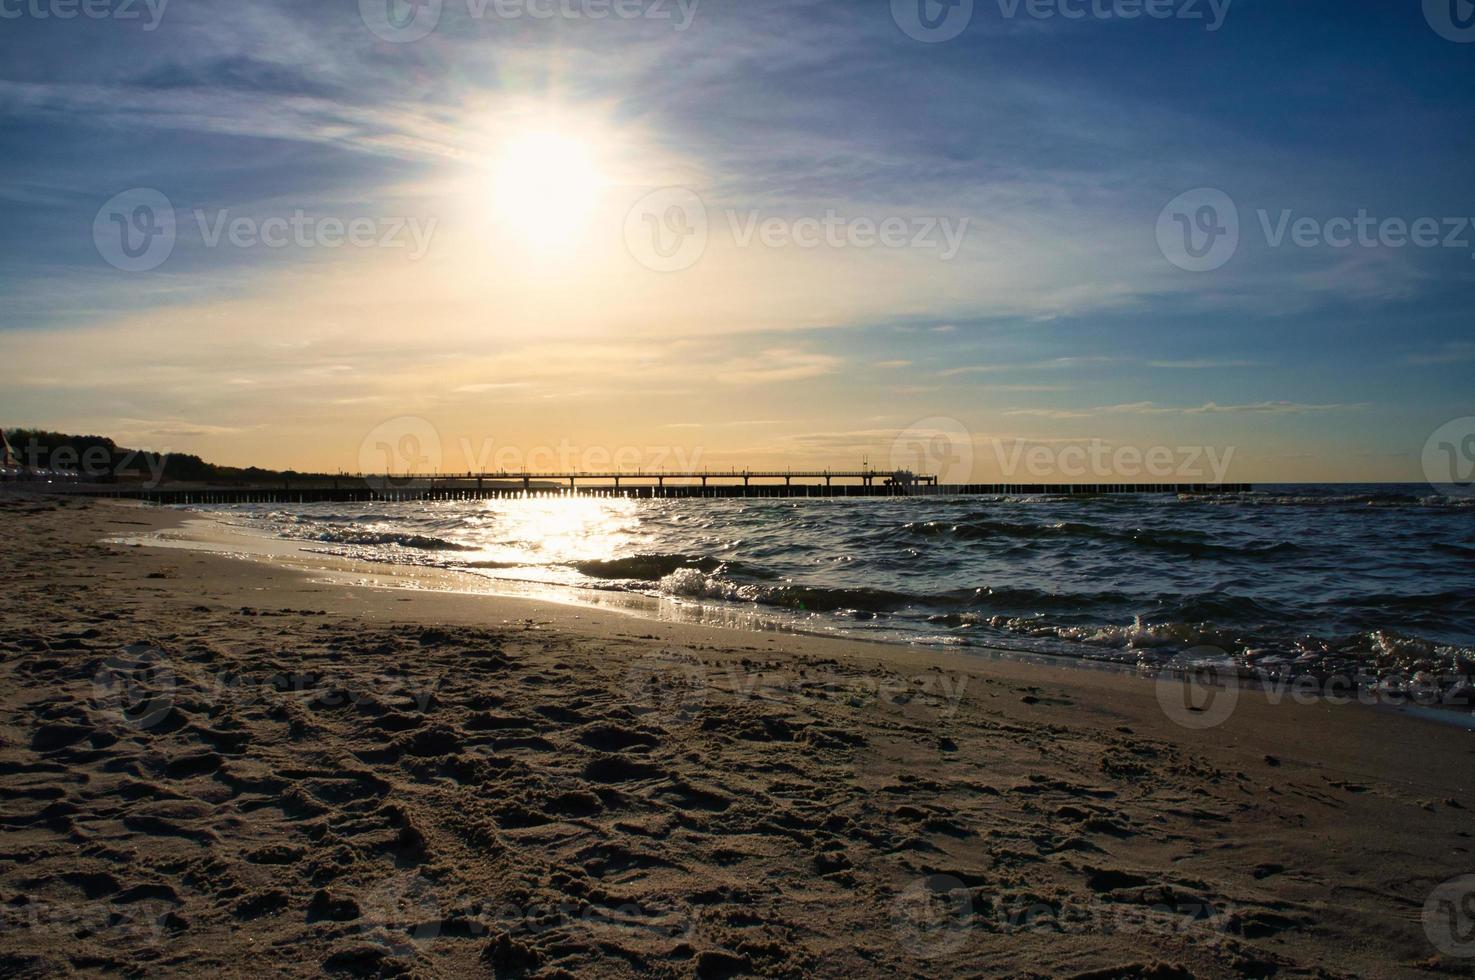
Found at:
[1450, 601]
[1137, 635]
[423, 542]
[655, 567]
[1392, 499]
[1187, 543]
[649, 568]
[693, 583]
[1020, 598]
[1381, 652]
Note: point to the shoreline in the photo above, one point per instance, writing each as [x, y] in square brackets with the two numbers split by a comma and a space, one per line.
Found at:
[213, 533]
[366, 781]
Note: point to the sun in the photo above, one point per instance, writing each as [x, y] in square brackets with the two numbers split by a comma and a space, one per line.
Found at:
[546, 186]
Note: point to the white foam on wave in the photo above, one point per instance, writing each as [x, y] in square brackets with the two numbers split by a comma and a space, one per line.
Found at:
[693, 583]
[401, 538]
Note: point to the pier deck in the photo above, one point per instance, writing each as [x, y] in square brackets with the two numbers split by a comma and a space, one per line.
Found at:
[356, 488]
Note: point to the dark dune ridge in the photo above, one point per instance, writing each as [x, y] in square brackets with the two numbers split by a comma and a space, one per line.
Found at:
[215, 766]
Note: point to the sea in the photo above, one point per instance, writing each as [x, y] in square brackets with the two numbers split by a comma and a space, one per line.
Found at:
[1375, 581]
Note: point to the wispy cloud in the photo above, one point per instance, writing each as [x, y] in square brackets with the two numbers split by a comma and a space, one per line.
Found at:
[171, 429]
[1204, 364]
[1208, 408]
[1049, 364]
[1273, 408]
[777, 364]
[483, 387]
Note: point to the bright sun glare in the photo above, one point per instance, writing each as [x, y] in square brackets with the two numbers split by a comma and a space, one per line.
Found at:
[547, 184]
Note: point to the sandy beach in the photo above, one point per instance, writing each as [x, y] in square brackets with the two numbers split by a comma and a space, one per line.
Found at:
[236, 767]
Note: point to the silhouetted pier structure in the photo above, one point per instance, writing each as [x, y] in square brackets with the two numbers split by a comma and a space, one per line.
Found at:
[304, 488]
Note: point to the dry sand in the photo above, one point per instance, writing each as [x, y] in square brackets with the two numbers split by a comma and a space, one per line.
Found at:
[220, 766]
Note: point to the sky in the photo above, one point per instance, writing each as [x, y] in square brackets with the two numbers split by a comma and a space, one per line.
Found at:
[996, 240]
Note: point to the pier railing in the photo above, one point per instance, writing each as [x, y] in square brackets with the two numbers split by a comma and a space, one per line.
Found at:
[366, 488]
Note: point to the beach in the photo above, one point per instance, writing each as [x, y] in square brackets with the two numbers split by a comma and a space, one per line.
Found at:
[215, 764]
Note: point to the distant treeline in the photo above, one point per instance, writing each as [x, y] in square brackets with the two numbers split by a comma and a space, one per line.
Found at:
[99, 458]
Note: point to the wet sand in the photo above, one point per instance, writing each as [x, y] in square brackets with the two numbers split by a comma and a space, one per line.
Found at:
[214, 765]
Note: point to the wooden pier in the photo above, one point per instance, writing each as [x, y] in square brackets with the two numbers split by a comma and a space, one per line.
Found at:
[304, 488]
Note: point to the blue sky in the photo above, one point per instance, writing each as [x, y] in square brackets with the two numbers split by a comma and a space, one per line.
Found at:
[1053, 144]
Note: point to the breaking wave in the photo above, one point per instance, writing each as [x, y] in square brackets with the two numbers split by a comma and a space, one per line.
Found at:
[423, 542]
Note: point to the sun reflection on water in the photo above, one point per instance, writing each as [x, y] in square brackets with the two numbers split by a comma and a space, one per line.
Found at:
[556, 530]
